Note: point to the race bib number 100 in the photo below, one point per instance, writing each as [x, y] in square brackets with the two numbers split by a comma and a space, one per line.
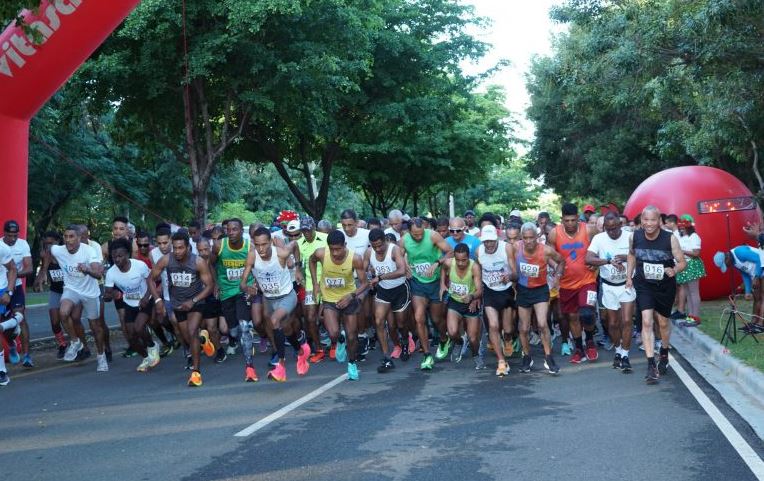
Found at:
[529, 270]
[421, 269]
[653, 272]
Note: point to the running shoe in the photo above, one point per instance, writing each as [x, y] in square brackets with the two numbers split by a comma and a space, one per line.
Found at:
[443, 348]
[373, 343]
[342, 353]
[427, 363]
[456, 353]
[479, 363]
[220, 355]
[27, 361]
[189, 362]
[129, 353]
[195, 380]
[278, 373]
[550, 366]
[250, 375]
[231, 349]
[406, 353]
[144, 365]
[503, 369]
[617, 361]
[625, 364]
[677, 315]
[4, 379]
[109, 357]
[352, 371]
[302, 360]
[102, 364]
[333, 352]
[176, 344]
[13, 353]
[274, 360]
[318, 356]
[565, 349]
[663, 363]
[82, 355]
[61, 352]
[396, 354]
[516, 348]
[535, 339]
[207, 347]
[652, 374]
[385, 365]
[527, 363]
[412, 344]
[166, 351]
[153, 356]
[363, 345]
[577, 357]
[591, 351]
[508, 348]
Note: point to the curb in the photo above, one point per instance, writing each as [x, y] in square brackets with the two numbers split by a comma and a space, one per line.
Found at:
[747, 378]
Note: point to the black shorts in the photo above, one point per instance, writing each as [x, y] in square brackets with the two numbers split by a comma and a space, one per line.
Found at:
[181, 316]
[462, 309]
[235, 309]
[527, 297]
[131, 313]
[498, 300]
[212, 308]
[399, 297]
[353, 308]
[18, 300]
[658, 297]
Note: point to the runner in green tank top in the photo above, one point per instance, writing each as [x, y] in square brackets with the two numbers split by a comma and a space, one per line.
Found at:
[462, 279]
[229, 267]
[425, 252]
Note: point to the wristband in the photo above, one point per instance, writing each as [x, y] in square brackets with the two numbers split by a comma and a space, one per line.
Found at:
[157, 301]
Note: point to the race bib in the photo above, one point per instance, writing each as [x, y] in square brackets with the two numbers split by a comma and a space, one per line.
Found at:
[309, 299]
[459, 290]
[56, 275]
[334, 282]
[382, 270]
[269, 288]
[591, 298]
[493, 278]
[132, 295]
[234, 273]
[653, 272]
[421, 269]
[529, 270]
[616, 276]
[181, 279]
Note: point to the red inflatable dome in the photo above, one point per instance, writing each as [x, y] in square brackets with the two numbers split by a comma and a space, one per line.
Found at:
[711, 196]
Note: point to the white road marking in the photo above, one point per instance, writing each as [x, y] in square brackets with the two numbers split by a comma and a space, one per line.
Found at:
[742, 447]
[289, 407]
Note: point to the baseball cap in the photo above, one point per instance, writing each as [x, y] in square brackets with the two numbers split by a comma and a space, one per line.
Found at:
[589, 208]
[469, 212]
[10, 226]
[488, 233]
[719, 261]
[515, 213]
[307, 223]
[293, 226]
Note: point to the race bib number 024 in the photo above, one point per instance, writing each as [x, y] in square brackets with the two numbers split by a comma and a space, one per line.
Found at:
[653, 272]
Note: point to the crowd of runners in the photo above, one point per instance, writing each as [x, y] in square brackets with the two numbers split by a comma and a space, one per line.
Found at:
[436, 290]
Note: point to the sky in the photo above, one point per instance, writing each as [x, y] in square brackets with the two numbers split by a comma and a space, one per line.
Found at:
[519, 29]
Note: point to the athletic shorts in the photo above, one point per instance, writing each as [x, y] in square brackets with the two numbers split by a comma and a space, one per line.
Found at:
[91, 306]
[3, 308]
[573, 300]
[119, 303]
[399, 297]
[430, 291]
[528, 297]
[462, 309]
[182, 316]
[353, 308]
[498, 300]
[658, 297]
[131, 313]
[54, 300]
[18, 300]
[212, 308]
[286, 303]
[235, 309]
[614, 296]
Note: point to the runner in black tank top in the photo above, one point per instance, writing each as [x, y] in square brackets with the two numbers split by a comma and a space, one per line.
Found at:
[654, 259]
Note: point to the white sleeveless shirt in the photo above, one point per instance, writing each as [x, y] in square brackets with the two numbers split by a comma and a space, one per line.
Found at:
[274, 280]
[494, 266]
[386, 266]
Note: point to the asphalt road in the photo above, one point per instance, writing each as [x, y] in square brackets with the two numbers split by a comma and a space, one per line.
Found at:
[39, 320]
[67, 422]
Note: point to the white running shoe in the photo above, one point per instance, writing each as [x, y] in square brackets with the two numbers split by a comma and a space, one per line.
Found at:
[103, 365]
[153, 356]
[143, 366]
[72, 350]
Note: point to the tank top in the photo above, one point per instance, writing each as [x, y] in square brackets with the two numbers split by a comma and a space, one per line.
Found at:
[229, 267]
[573, 250]
[459, 288]
[653, 257]
[494, 267]
[386, 266]
[184, 280]
[337, 279]
[56, 276]
[421, 256]
[306, 250]
[273, 279]
[531, 270]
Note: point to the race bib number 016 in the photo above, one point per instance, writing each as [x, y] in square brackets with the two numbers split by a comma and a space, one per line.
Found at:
[529, 270]
[334, 282]
[653, 272]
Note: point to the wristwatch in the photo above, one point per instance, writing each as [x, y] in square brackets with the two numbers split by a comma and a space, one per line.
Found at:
[193, 299]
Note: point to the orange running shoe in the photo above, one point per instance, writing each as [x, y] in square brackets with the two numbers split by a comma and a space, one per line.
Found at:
[302, 360]
[333, 352]
[207, 347]
[318, 356]
[250, 375]
[278, 373]
[195, 380]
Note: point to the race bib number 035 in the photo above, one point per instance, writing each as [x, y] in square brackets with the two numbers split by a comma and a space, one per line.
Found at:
[653, 272]
[529, 270]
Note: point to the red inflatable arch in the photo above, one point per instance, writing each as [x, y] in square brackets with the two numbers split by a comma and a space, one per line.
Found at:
[710, 196]
[31, 73]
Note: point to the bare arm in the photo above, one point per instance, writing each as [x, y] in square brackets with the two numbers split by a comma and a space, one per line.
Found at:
[250, 264]
[206, 277]
[631, 264]
[315, 258]
[42, 275]
[681, 262]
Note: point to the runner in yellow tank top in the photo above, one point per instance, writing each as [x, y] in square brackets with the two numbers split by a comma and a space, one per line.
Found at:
[461, 277]
[340, 295]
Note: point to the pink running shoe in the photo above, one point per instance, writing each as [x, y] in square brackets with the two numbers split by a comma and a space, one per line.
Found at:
[302, 360]
[396, 354]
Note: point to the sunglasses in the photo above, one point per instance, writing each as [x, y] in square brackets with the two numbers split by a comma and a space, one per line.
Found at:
[143, 245]
[11, 232]
[454, 231]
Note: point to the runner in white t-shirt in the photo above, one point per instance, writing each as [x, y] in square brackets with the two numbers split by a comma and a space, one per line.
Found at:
[10, 327]
[82, 269]
[608, 251]
[22, 257]
[357, 240]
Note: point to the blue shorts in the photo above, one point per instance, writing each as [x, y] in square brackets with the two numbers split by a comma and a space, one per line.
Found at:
[2, 306]
[430, 291]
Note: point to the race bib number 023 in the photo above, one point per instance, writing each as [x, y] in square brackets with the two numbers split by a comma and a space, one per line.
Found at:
[460, 290]
[653, 272]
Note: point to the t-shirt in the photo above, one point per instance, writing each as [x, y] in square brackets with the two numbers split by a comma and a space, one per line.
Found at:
[472, 242]
[79, 282]
[5, 257]
[19, 250]
[689, 242]
[394, 232]
[156, 254]
[132, 283]
[97, 248]
[359, 242]
[607, 248]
